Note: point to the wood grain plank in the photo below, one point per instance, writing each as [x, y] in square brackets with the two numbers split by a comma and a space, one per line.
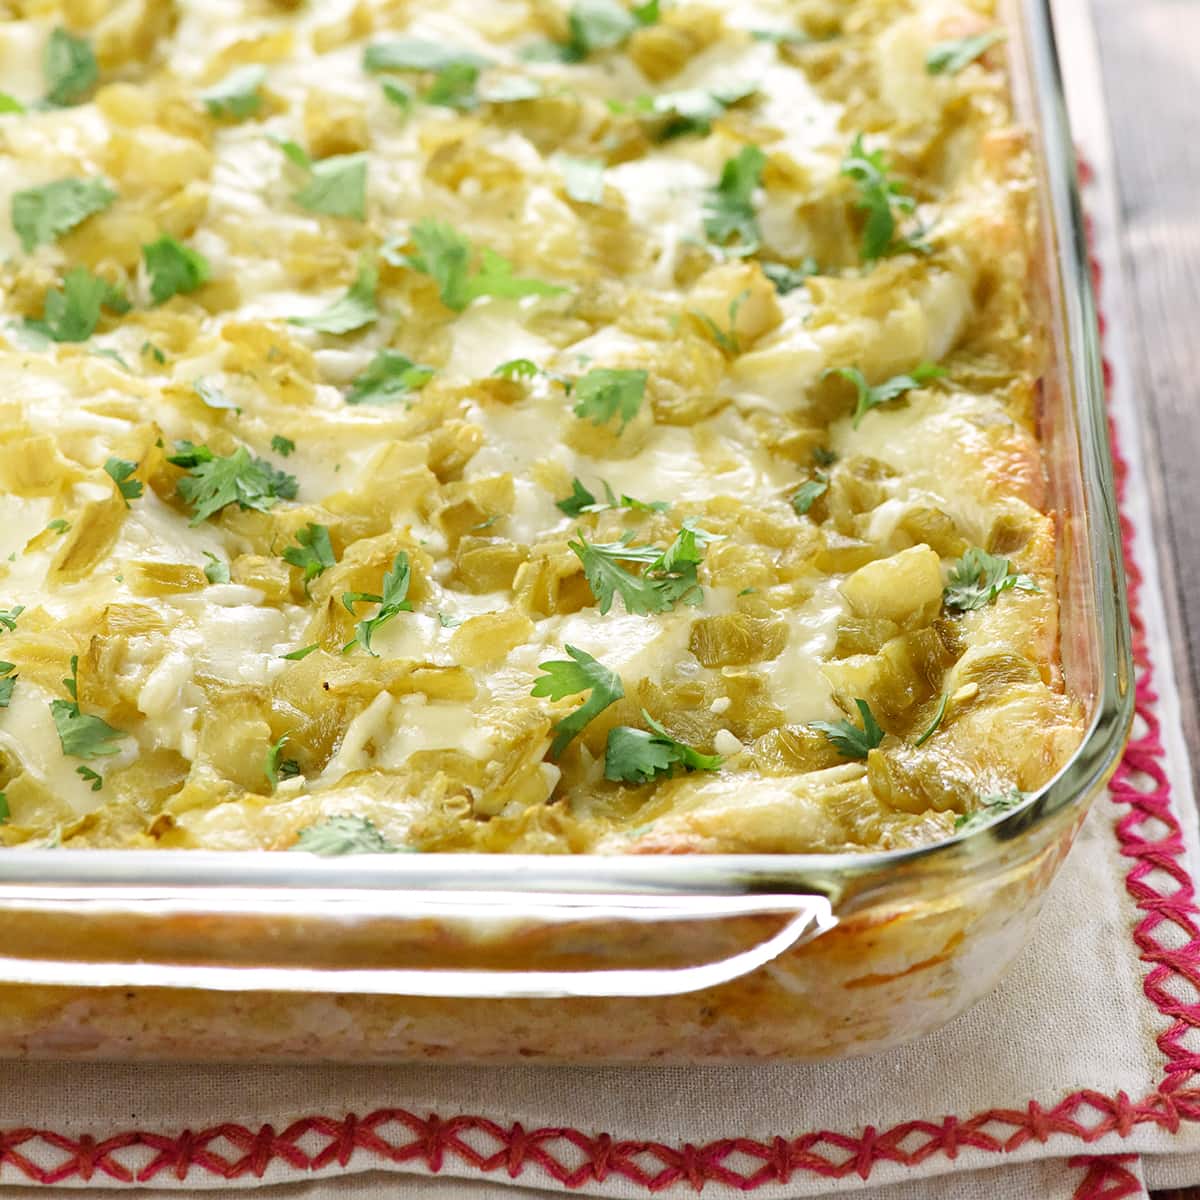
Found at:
[1147, 51]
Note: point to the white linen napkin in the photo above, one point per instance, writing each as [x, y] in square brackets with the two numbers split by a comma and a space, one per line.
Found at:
[1074, 1079]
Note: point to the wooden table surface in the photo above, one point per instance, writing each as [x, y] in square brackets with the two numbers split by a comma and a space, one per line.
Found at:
[1148, 51]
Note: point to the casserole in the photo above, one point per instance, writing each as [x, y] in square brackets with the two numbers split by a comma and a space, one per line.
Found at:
[815, 956]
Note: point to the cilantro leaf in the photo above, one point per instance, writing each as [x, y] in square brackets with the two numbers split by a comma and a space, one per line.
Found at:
[313, 554]
[82, 735]
[890, 389]
[569, 678]
[669, 577]
[444, 255]
[388, 377]
[948, 58]
[302, 653]
[337, 187]
[418, 54]
[45, 213]
[401, 97]
[518, 368]
[353, 310]
[282, 445]
[213, 481]
[174, 268]
[849, 739]
[10, 104]
[119, 471]
[72, 312]
[5, 811]
[605, 393]
[69, 67]
[582, 501]
[583, 178]
[726, 339]
[880, 197]
[808, 493]
[8, 681]
[729, 207]
[90, 776]
[343, 835]
[238, 95]
[391, 604]
[276, 768]
[936, 722]
[8, 616]
[689, 111]
[454, 87]
[990, 807]
[594, 25]
[979, 578]
[215, 571]
[635, 756]
[213, 397]
[787, 279]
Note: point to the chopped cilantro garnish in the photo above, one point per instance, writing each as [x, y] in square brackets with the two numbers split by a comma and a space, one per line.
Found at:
[343, 835]
[388, 377]
[120, 471]
[10, 104]
[594, 25]
[276, 767]
[58, 525]
[391, 603]
[729, 207]
[8, 616]
[238, 95]
[82, 735]
[302, 653]
[787, 279]
[353, 310]
[990, 807]
[42, 214]
[948, 58]
[313, 553]
[890, 389]
[72, 312]
[669, 577]
[935, 723]
[635, 756]
[808, 493]
[582, 673]
[418, 54]
[213, 397]
[90, 776]
[215, 571]
[605, 393]
[582, 501]
[518, 368]
[282, 446]
[337, 187]
[726, 339]
[445, 255]
[8, 681]
[239, 478]
[454, 87]
[690, 111]
[880, 196]
[69, 67]
[978, 579]
[849, 739]
[174, 268]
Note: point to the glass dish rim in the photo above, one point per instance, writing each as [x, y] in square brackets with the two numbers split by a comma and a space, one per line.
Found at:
[196, 871]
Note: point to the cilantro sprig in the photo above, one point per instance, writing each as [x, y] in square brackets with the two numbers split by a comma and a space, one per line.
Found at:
[607, 392]
[891, 389]
[881, 197]
[276, 767]
[446, 256]
[45, 213]
[238, 95]
[336, 187]
[852, 741]
[670, 115]
[978, 578]
[392, 602]
[418, 54]
[214, 481]
[8, 682]
[580, 673]
[69, 67]
[668, 577]
[637, 756]
[313, 552]
[729, 214]
[81, 734]
[593, 26]
[809, 492]
[388, 377]
[343, 835]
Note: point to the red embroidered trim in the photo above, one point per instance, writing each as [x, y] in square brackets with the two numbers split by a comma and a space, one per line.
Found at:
[1148, 833]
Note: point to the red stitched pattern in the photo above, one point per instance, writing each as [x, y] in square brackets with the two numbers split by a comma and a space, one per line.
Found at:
[1149, 835]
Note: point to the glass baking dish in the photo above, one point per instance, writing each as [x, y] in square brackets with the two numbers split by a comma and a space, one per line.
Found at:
[174, 955]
